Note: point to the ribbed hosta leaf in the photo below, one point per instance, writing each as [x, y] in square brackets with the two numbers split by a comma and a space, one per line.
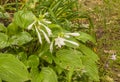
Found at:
[69, 59]
[33, 61]
[2, 28]
[85, 37]
[46, 75]
[12, 70]
[90, 68]
[87, 51]
[23, 18]
[3, 40]
[20, 38]
[89, 61]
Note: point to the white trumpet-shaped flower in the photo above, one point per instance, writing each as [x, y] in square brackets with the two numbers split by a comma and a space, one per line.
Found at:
[37, 24]
[59, 42]
[47, 29]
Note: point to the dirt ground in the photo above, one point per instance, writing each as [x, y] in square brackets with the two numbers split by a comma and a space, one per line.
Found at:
[106, 21]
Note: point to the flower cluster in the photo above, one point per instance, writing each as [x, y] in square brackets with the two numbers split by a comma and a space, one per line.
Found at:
[38, 24]
[58, 41]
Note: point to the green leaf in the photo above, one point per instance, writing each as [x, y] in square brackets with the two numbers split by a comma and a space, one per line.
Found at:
[22, 56]
[2, 28]
[4, 15]
[3, 40]
[12, 70]
[68, 59]
[88, 52]
[55, 29]
[90, 68]
[46, 75]
[33, 61]
[84, 37]
[69, 75]
[20, 38]
[24, 18]
[47, 56]
[90, 62]
[12, 29]
[34, 72]
[70, 44]
[58, 69]
[0, 80]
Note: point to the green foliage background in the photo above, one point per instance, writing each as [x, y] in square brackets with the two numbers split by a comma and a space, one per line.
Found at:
[23, 58]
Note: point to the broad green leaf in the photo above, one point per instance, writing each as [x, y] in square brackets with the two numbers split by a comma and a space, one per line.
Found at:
[2, 28]
[55, 29]
[20, 38]
[12, 70]
[68, 59]
[3, 40]
[34, 73]
[90, 62]
[33, 61]
[84, 37]
[0, 80]
[58, 69]
[46, 75]
[47, 56]
[24, 18]
[72, 39]
[12, 29]
[22, 56]
[69, 75]
[87, 51]
[90, 68]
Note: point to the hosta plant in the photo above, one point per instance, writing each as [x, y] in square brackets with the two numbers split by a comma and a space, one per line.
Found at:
[37, 47]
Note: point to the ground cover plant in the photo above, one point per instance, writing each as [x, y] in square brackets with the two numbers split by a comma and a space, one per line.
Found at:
[56, 41]
[40, 42]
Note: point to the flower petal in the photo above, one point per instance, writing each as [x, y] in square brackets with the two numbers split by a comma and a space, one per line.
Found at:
[51, 47]
[46, 21]
[46, 37]
[67, 36]
[47, 29]
[73, 34]
[39, 36]
[30, 26]
[72, 42]
[59, 42]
